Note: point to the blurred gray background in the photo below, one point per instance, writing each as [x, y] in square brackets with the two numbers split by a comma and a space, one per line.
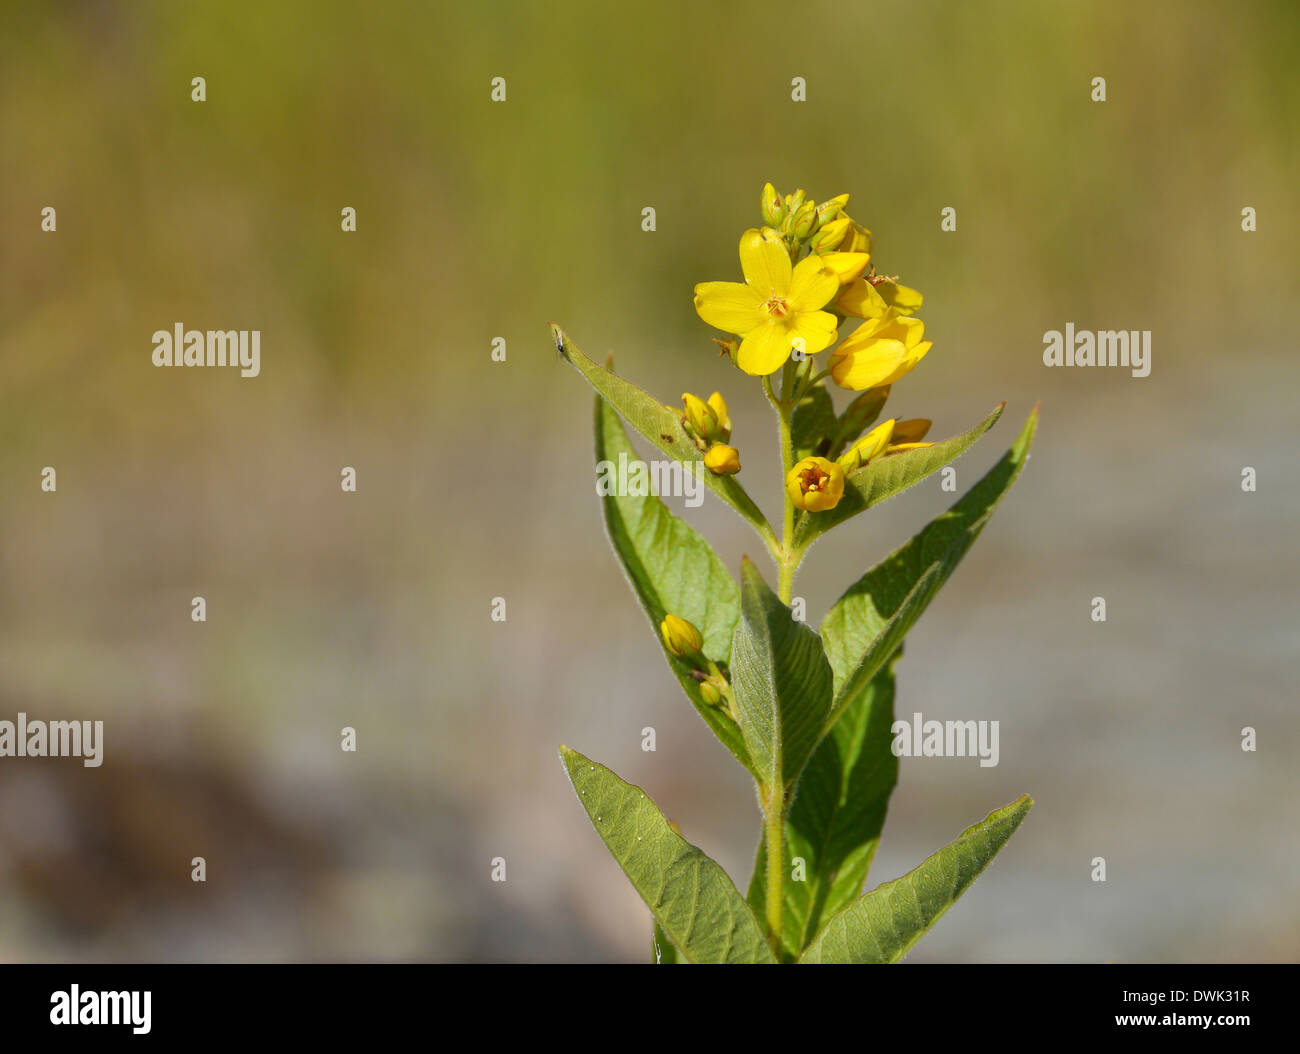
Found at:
[478, 220]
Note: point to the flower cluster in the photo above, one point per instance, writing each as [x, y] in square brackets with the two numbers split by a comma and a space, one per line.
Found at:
[788, 303]
[807, 270]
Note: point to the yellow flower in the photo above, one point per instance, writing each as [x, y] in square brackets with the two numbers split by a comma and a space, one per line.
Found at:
[861, 300]
[722, 460]
[815, 484]
[847, 266]
[777, 306]
[857, 239]
[708, 420]
[879, 351]
[903, 299]
[681, 638]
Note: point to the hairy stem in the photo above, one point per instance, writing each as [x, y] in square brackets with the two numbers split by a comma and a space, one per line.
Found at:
[786, 561]
[774, 820]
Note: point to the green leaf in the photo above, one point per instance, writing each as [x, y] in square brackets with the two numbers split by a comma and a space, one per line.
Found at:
[838, 811]
[781, 682]
[885, 477]
[812, 424]
[671, 569]
[689, 894]
[662, 426]
[662, 951]
[883, 926]
[867, 624]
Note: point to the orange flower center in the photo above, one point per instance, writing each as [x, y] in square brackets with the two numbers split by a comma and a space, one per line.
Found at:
[776, 306]
[812, 478]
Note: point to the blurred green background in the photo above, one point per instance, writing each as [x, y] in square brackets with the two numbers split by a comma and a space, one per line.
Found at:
[479, 220]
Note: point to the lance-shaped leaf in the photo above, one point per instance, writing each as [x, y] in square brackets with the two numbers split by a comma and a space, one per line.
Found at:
[869, 621]
[671, 568]
[662, 426]
[781, 682]
[838, 811]
[812, 426]
[882, 926]
[885, 477]
[689, 894]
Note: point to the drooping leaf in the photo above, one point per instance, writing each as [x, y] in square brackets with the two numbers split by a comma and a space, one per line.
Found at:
[867, 624]
[883, 925]
[689, 894]
[662, 426]
[835, 820]
[813, 424]
[781, 681]
[671, 569]
[885, 477]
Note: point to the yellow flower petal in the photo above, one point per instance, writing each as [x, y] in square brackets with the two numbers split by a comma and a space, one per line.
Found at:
[909, 362]
[765, 349]
[729, 306]
[847, 266]
[911, 431]
[876, 363]
[765, 262]
[861, 299]
[812, 285]
[903, 299]
[817, 329]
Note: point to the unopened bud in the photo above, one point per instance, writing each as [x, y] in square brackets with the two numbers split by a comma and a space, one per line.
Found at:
[710, 694]
[828, 238]
[870, 445]
[681, 638]
[772, 205]
[722, 460]
[804, 220]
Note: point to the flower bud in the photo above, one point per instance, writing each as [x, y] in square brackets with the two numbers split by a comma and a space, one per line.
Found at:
[709, 693]
[804, 220]
[829, 210]
[699, 416]
[722, 460]
[870, 445]
[681, 638]
[815, 484]
[772, 205]
[857, 239]
[913, 430]
[828, 238]
[793, 202]
[719, 407]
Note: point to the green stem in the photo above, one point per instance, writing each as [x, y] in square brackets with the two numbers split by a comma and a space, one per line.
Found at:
[774, 816]
[785, 561]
